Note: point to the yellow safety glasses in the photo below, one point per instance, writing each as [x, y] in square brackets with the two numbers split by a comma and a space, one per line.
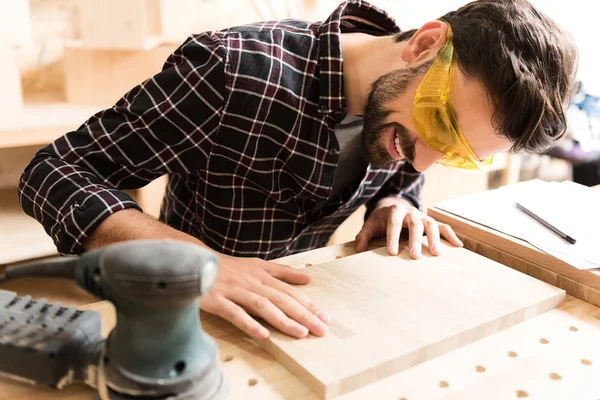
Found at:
[434, 119]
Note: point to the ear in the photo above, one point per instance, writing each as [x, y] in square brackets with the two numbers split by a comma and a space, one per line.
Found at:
[425, 43]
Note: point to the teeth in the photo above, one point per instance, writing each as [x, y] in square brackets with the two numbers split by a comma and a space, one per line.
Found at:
[397, 143]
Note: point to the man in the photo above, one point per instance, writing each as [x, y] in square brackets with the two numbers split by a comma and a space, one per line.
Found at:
[273, 133]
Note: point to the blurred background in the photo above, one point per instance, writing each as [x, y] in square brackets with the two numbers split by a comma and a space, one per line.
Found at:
[63, 60]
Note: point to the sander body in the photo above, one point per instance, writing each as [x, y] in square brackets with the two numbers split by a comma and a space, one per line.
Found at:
[157, 349]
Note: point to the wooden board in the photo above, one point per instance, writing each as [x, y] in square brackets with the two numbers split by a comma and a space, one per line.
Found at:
[391, 313]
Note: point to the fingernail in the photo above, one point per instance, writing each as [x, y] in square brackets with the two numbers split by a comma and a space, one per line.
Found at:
[323, 316]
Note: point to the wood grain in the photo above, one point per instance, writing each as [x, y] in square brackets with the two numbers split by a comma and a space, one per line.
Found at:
[391, 313]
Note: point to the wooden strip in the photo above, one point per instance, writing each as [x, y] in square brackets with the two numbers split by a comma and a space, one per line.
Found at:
[572, 287]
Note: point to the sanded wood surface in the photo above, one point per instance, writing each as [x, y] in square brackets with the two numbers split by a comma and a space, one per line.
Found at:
[391, 313]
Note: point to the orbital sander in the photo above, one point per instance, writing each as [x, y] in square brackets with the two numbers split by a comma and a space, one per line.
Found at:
[157, 349]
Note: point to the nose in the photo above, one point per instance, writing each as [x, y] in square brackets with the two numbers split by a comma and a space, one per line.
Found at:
[425, 156]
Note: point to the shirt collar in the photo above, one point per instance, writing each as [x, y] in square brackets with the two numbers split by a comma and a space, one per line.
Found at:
[357, 12]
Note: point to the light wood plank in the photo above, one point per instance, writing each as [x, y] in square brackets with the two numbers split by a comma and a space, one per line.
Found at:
[391, 313]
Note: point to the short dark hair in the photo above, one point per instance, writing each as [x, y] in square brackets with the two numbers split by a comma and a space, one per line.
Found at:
[525, 61]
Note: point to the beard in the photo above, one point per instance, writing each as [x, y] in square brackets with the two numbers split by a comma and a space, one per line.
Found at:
[384, 91]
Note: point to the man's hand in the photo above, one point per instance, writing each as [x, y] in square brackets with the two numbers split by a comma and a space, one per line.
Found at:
[388, 218]
[247, 286]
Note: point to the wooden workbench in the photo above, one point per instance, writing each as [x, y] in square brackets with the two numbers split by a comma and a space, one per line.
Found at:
[552, 356]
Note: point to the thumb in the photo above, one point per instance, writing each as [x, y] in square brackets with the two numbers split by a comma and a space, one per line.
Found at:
[288, 274]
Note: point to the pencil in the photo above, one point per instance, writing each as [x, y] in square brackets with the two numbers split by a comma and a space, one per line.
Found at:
[546, 224]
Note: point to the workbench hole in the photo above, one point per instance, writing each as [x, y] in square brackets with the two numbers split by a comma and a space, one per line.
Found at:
[480, 368]
[544, 341]
[444, 384]
[573, 328]
[105, 360]
[162, 285]
[512, 354]
[522, 393]
[555, 377]
[51, 355]
[179, 367]
[586, 362]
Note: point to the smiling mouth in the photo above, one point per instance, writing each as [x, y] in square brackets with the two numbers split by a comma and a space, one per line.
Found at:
[397, 142]
[395, 148]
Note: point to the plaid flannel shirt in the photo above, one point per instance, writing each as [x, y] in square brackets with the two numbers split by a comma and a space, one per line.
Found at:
[242, 122]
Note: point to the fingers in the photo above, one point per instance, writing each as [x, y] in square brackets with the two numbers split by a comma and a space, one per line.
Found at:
[300, 298]
[449, 234]
[415, 233]
[394, 228]
[287, 274]
[235, 314]
[375, 226]
[433, 235]
[365, 235]
[262, 307]
[294, 310]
